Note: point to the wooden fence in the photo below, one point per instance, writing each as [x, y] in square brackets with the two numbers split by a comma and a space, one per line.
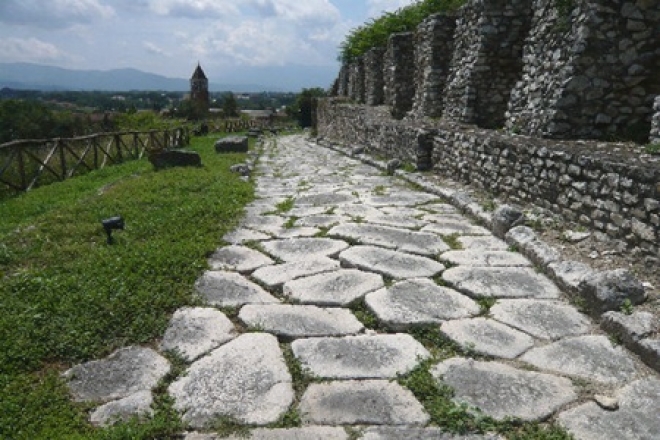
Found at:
[25, 164]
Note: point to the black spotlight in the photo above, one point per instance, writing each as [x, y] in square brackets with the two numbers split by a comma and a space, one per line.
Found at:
[110, 224]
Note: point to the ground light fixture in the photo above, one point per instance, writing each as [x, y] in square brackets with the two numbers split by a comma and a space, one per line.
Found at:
[110, 224]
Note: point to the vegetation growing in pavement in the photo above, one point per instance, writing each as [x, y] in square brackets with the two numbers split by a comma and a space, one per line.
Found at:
[375, 32]
[68, 297]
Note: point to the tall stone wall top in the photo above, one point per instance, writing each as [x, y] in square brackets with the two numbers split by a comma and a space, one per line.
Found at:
[374, 80]
[400, 73]
[590, 72]
[655, 123]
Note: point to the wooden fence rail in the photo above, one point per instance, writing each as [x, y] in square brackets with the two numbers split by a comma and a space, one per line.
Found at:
[25, 164]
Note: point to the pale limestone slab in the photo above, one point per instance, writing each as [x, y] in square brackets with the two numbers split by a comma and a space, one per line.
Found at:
[325, 199]
[263, 223]
[238, 258]
[392, 238]
[636, 418]
[277, 275]
[419, 301]
[408, 198]
[482, 242]
[588, 357]
[360, 357]
[229, 289]
[245, 379]
[501, 391]
[390, 263]
[501, 282]
[194, 331]
[321, 220]
[440, 208]
[291, 321]
[408, 433]
[301, 249]
[541, 319]
[487, 337]
[243, 235]
[295, 232]
[338, 288]
[481, 258]
[138, 404]
[304, 433]
[395, 220]
[447, 226]
[120, 375]
[369, 402]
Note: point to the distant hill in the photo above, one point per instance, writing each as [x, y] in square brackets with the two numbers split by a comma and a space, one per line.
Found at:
[40, 77]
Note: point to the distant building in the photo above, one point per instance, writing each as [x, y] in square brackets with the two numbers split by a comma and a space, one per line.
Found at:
[199, 89]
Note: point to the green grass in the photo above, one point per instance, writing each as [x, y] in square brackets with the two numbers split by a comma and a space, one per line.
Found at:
[68, 297]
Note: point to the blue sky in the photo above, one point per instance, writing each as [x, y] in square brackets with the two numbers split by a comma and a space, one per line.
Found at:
[288, 44]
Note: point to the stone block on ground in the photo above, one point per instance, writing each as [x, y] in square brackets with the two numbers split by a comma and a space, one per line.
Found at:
[368, 402]
[360, 357]
[501, 391]
[630, 328]
[276, 275]
[608, 290]
[232, 144]
[301, 249]
[447, 226]
[589, 357]
[246, 379]
[122, 410]
[174, 158]
[390, 263]
[479, 258]
[338, 288]
[501, 282]
[229, 289]
[239, 258]
[489, 337]
[506, 217]
[408, 433]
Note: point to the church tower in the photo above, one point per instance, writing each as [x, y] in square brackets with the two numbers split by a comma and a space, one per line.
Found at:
[199, 89]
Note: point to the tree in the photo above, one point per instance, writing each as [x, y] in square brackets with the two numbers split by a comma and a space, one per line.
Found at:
[303, 108]
[229, 105]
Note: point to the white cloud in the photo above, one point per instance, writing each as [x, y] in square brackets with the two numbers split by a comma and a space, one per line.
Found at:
[53, 13]
[154, 49]
[377, 7]
[29, 50]
[318, 11]
[194, 8]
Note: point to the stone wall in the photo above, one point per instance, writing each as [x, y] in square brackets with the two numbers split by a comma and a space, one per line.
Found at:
[373, 76]
[356, 80]
[609, 187]
[342, 81]
[400, 73]
[434, 46]
[590, 71]
[655, 126]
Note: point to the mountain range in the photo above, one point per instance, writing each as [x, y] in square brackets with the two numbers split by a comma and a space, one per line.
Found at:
[40, 77]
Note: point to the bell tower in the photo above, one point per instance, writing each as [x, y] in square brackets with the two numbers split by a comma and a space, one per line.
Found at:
[199, 89]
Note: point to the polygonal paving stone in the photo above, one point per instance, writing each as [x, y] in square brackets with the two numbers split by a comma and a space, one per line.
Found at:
[636, 418]
[228, 289]
[440, 208]
[446, 226]
[300, 249]
[501, 391]
[300, 321]
[322, 220]
[488, 337]
[541, 319]
[360, 357]
[410, 198]
[482, 242]
[501, 282]
[138, 404]
[390, 263]
[371, 402]
[357, 210]
[307, 211]
[263, 223]
[392, 238]
[337, 288]
[395, 220]
[245, 379]
[589, 357]
[295, 232]
[239, 258]
[419, 301]
[304, 433]
[330, 198]
[194, 331]
[242, 235]
[275, 276]
[407, 433]
[123, 373]
[481, 258]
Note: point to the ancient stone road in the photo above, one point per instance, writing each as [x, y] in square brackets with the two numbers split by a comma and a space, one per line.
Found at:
[329, 235]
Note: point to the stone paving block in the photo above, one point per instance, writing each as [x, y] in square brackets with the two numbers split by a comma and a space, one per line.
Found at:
[304, 433]
[325, 199]
[369, 402]
[392, 238]
[406, 433]
[291, 321]
[138, 404]
[481, 258]
[263, 223]
[296, 232]
[630, 328]
[194, 331]
[277, 275]
[302, 249]
[123, 373]
[569, 274]
[419, 301]
[450, 227]
[482, 243]
[501, 282]
[360, 357]
[487, 336]
[396, 220]
[409, 198]
[390, 263]
[243, 235]
[239, 258]
[588, 357]
[307, 211]
[501, 391]
[439, 208]
[338, 288]
[357, 210]
[541, 319]
[245, 379]
[637, 417]
[321, 220]
[228, 289]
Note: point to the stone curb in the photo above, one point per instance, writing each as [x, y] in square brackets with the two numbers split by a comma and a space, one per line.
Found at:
[572, 277]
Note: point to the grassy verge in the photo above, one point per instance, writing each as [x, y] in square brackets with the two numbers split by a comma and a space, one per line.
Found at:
[68, 297]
